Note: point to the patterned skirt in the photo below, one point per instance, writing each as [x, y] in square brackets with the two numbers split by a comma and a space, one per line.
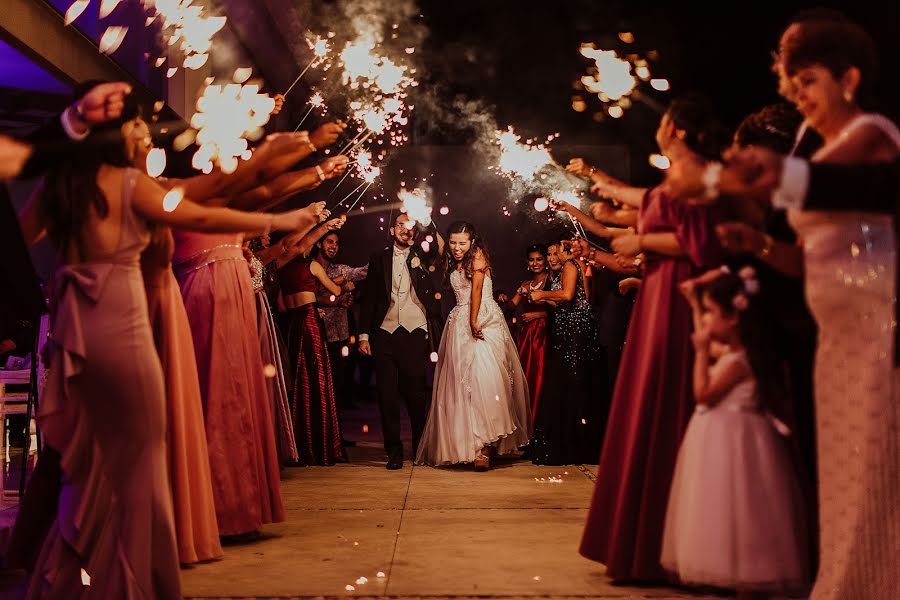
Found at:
[317, 429]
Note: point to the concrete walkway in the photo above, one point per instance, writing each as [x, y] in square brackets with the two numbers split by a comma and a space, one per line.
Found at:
[360, 530]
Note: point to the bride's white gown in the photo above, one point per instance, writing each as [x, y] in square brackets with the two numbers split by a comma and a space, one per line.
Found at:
[480, 395]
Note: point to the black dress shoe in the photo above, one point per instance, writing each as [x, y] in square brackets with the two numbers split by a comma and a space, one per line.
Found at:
[394, 462]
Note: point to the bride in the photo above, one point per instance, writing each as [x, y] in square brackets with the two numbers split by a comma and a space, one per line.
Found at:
[480, 400]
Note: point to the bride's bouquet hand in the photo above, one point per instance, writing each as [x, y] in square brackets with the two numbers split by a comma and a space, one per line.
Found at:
[476, 331]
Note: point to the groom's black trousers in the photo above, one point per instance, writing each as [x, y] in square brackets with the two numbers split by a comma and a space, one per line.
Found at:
[400, 362]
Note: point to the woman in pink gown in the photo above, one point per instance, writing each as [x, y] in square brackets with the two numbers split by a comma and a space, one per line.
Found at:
[215, 283]
[104, 406]
[196, 530]
[652, 402]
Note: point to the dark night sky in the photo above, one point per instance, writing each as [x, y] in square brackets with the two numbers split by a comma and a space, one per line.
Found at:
[520, 59]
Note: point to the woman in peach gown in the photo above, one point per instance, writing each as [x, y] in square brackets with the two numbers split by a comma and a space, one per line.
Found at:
[850, 275]
[103, 408]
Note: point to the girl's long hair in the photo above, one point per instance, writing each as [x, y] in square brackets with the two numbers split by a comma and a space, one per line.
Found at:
[756, 334]
[450, 263]
[70, 187]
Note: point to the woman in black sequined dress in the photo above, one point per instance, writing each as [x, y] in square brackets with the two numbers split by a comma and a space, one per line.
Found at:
[571, 417]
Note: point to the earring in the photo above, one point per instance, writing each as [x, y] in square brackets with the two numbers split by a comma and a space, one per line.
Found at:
[848, 96]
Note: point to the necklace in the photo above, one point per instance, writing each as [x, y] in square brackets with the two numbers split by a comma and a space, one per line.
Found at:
[536, 286]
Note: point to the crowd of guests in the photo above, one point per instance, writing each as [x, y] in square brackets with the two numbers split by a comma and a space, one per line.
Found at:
[744, 417]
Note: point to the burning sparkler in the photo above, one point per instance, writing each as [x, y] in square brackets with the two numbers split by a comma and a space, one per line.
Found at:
[186, 23]
[320, 48]
[315, 101]
[226, 117]
[416, 205]
[615, 79]
[521, 160]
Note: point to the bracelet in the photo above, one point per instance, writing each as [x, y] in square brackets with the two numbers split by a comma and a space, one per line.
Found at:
[712, 175]
[320, 173]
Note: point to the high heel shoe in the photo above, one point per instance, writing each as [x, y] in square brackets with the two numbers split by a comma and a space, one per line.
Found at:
[482, 461]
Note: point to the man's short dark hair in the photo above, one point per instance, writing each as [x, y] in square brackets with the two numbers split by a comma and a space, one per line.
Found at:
[335, 233]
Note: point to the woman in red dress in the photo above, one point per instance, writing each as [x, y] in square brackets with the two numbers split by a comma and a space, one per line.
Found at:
[532, 336]
[653, 399]
[317, 428]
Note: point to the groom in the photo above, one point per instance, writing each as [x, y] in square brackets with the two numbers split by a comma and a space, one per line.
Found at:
[400, 326]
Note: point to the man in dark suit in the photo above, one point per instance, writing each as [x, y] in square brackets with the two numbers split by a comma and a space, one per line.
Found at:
[400, 326]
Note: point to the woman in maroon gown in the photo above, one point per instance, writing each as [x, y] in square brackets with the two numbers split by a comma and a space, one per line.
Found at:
[531, 340]
[653, 399]
[317, 428]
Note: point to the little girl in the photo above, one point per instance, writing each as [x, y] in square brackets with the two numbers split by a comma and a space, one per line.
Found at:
[735, 516]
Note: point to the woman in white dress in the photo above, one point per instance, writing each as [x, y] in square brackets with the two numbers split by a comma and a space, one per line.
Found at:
[850, 277]
[480, 400]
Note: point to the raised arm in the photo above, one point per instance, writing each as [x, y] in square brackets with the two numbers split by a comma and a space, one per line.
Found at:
[319, 273]
[591, 225]
[305, 243]
[156, 205]
[632, 244]
[604, 212]
[287, 184]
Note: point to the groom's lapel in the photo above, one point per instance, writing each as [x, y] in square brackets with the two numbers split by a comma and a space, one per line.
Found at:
[387, 261]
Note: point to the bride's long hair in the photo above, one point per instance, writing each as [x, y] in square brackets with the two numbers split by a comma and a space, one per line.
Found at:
[450, 263]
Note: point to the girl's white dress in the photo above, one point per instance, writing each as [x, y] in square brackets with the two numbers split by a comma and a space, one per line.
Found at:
[736, 516]
[480, 395]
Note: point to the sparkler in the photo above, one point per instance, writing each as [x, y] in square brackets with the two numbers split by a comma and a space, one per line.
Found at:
[315, 101]
[156, 162]
[320, 48]
[225, 118]
[415, 205]
[615, 79]
[186, 23]
[521, 160]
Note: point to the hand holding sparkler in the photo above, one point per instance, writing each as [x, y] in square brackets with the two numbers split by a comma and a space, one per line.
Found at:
[101, 103]
[336, 223]
[279, 104]
[333, 167]
[327, 134]
[579, 167]
[629, 245]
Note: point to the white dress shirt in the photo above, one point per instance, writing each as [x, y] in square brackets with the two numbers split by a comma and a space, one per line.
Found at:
[406, 310]
[791, 192]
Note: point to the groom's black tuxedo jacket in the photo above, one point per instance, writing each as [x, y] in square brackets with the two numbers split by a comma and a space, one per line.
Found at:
[425, 273]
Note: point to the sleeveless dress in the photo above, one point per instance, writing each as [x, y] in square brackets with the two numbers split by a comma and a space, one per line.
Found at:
[271, 356]
[104, 411]
[480, 396]
[317, 426]
[736, 515]
[532, 345]
[215, 284]
[571, 415]
[850, 276]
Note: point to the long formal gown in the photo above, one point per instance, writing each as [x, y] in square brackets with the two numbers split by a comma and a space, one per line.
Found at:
[850, 274]
[736, 516]
[571, 416]
[243, 457]
[532, 345]
[271, 356]
[652, 401]
[317, 426]
[196, 529]
[480, 396]
[104, 411]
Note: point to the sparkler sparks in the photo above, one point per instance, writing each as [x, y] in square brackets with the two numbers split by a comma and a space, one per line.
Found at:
[415, 205]
[75, 10]
[225, 118]
[186, 24]
[112, 38]
[156, 162]
[613, 76]
[518, 159]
